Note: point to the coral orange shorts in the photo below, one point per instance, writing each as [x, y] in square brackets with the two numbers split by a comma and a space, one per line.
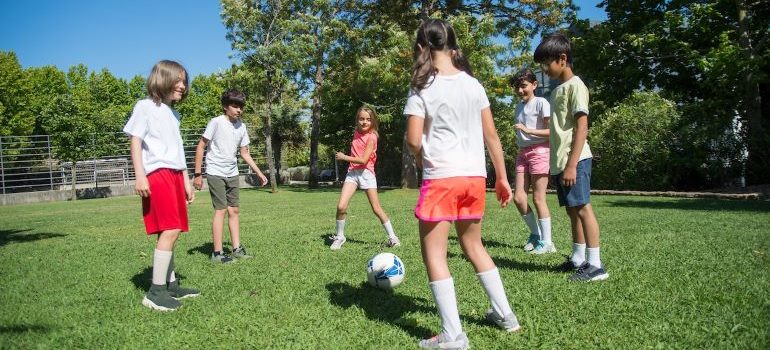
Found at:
[451, 199]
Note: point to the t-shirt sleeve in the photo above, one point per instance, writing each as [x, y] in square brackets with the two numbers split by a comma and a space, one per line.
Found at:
[579, 100]
[545, 108]
[245, 138]
[483, 99]
[138, 123]
[211, 128]
[415, 105]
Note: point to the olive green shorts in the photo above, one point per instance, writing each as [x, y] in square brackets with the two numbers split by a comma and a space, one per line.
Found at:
[224, 191]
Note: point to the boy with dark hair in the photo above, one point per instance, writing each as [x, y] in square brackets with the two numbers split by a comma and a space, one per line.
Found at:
[227, 134]
[571, 156]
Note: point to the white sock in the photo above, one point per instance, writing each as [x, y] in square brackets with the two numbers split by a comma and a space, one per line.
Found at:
[160, 262]
[446, 302]
[545, 229]
[578, 256]
[593, 257]
[531, 221]
[389, 229]
[341, 227]
[171, 276]
[493, 285]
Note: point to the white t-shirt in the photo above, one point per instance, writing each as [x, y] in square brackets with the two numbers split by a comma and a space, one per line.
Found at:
[452, 136]
[158, 127]
[531, 114]
[225, 139]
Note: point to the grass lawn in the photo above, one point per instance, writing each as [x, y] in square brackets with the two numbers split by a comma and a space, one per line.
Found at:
[684, 274]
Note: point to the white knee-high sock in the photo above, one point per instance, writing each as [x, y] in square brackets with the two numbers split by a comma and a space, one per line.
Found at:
[160, 262]
[493, 285]
[341, 227]
[545, 229]
[389, 229]
[531, 221]
[171, 276]
[446, 302]
[593, 257]
[578, 254]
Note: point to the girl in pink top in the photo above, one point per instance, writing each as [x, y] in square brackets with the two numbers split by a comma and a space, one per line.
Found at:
[363, 155]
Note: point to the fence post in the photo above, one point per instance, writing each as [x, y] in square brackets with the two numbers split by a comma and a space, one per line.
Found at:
[93, 157]
[2, 166]
[50, 160]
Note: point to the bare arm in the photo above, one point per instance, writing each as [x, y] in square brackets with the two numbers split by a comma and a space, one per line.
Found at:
[545, 132]
[250, 161]
[495, 149]
[414, 127]
[198, 180]
[141, 185]
[360, 160]
[579, 135]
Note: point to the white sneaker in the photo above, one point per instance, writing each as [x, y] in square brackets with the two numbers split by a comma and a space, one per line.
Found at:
[543, 248]
[442, 341]
[509, 323]
[337, 242]
[392, 242]
[531, 242]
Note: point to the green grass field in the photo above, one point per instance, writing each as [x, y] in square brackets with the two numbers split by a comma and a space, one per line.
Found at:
[684, 274]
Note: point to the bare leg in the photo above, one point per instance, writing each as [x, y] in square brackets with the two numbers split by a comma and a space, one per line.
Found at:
[589, 225]
[577, 225]
[348, 189]
[433, 242]
[469, 234]
[374, 201]
[235, 226]
[521, 188]
[217, 226]
[540, 184]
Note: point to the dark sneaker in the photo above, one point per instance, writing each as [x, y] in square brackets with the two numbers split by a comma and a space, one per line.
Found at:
[508, 323]
[178, 292]
[240, 253]
[569, 266]
[442, 341]
[158, 298]
[588, 273]
[221, 258]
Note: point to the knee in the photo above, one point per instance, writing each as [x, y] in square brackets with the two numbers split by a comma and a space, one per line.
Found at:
[520, 198]
[233, 211]
[342, 209]
[539, 201]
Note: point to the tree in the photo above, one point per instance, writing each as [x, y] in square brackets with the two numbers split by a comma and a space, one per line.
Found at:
[15, 90]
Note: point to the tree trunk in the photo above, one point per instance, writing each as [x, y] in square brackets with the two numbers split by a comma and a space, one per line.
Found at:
[315, 122]
[277, 142]
[408, 167]
[758, 160]
[268, 133]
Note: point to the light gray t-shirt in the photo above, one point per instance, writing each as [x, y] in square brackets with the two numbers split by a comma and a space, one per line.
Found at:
[531, 114]
[225, 139]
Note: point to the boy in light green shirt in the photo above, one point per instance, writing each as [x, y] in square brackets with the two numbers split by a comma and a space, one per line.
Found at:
[571, 157]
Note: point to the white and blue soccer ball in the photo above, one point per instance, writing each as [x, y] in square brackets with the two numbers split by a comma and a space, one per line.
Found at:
[385, 270]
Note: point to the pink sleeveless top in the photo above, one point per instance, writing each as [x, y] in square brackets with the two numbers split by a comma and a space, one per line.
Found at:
[358, 147]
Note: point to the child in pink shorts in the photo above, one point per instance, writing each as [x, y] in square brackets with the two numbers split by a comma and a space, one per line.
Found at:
[532, 163]
[449, 123]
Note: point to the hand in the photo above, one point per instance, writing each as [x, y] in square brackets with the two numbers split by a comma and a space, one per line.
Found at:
[521, 127]
[198, 182]
[142, 186]
[569, 176]
[340, 156]
[189, 193]
[503, 192]
[262, 178]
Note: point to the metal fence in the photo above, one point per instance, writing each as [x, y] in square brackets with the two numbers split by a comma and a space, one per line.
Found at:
[32, 163]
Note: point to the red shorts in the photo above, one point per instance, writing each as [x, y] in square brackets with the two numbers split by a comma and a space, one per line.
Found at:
[166, 207]
[452, 198]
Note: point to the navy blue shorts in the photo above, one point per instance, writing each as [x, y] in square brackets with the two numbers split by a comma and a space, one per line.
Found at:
[580, 193]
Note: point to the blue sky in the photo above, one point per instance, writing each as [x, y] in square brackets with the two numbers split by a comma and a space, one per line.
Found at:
[128, 37]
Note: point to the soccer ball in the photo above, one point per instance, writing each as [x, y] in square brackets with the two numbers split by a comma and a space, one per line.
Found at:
[385, 270]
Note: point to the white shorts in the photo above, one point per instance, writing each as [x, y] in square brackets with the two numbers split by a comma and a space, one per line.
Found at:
[363, 178]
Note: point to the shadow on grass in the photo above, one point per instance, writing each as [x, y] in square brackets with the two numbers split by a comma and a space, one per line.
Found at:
[327, 238]
[143, 280]
[18, 236]
[323, 189]
[506, 263]
[695, 204]
[24, 328]
[205, 249]
[380, 305]
[487, 243]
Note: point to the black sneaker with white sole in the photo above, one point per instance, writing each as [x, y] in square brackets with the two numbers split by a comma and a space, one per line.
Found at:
[589, 273]
[158, 298]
